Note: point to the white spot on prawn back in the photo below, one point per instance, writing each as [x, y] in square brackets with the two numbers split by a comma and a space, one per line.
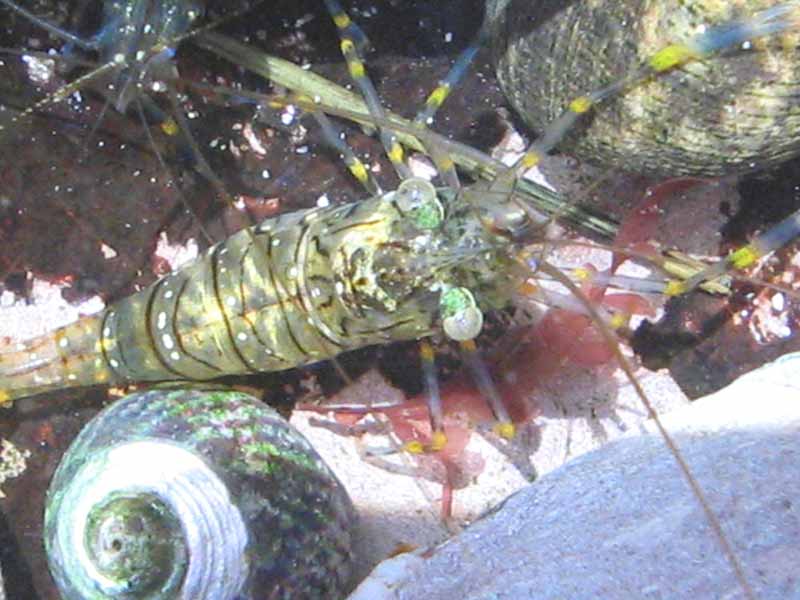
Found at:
[161, 320]
[166, 339]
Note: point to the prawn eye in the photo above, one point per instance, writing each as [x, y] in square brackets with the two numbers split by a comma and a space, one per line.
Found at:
[461, 318]
[417, 197]
[513, 222]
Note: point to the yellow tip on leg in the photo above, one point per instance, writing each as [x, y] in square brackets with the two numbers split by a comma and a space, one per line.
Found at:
[580, 105]
[170, 127]
[744, 257]
[396, 153]
[341, 20]
[357, 70]
[581, 274]
[438, 441]
[359, 171]
[347, 47]
[530, 160]
[505, 430]
[527, 288]
[426, 351]
[414, 447]
[438, 96]
[675, 288]
[671, 56]
[446, 163]
[619, 320]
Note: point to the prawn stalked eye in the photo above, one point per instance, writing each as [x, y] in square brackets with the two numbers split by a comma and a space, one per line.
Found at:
[461, 318]
[417, 197]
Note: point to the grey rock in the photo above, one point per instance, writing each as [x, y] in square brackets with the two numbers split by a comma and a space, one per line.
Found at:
[621, 522]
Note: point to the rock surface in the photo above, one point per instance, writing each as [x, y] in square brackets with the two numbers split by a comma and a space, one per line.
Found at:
[620, 522]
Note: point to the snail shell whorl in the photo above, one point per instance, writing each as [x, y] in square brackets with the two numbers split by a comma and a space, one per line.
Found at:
[196, 494]
[732, 113]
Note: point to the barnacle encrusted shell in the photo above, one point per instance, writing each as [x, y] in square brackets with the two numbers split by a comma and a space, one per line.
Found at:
[199, 495]
[735, 112]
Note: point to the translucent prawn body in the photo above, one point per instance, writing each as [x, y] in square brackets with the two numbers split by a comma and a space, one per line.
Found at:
[292, 290]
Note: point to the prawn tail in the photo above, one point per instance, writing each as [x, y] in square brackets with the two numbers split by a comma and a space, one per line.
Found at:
[69, 356]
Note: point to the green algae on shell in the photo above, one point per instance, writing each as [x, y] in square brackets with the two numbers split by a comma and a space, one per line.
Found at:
[196, 494]
[733, 113]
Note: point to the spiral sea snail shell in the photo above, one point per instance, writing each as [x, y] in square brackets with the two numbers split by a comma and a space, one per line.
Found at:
[733, 113]
[196, 494]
